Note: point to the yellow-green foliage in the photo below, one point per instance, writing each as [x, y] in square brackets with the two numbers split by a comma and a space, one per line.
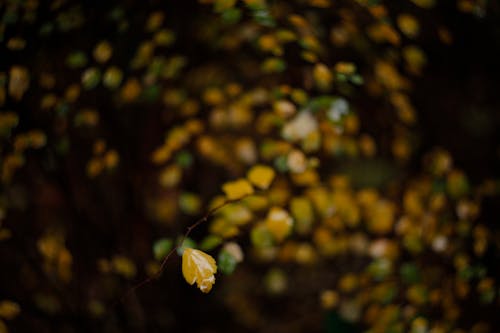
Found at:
[258, 111]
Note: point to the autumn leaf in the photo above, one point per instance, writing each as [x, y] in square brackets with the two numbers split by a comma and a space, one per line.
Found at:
[199, 267]
[279, 223]
[261, 176]
[237, 189]
[8, 309]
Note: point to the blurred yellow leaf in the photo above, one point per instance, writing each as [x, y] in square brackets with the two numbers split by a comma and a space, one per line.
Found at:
[237, 189]
[408, 25]
[124, 266]
[224, 228]
[261, 176]
[302, 211]
[329, 299]
[279, 223]
[381, 217]
[155, 20]
[8, 309]
[322, 76]
[19, 82]
[111, 159]
[103, 51]
[346, 68]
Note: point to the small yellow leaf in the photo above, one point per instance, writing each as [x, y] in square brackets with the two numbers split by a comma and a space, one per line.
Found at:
[261, 176]
[19, 82]
[329, 299]
[124, 266]
[279, 223]
[322, 76]
[237, 189]
[237, 213]
[199, 267]
[8, 309]
[224, 228]
[381, 217]
[103, 51]
[346, 68]
[408, 25]
[303, 212]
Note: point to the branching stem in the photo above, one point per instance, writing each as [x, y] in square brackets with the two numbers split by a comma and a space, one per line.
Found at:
[158, 274]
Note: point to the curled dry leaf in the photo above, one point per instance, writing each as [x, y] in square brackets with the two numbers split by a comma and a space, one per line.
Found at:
[199, 267]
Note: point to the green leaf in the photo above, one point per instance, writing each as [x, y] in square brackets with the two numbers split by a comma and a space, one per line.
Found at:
[223, 5]
[161, 248]
[410, 273]
[226, 262]
[389, 295]
[263, 17]
[320, 103]
[281, 164]
[231, 16]
[261, 237]
[356, 79]
[341, 77]
[189, 203]
[210, 242]
[112, 77]
[380, 269]
[273, 65]
[184, 159]
[151, 93]
[76, 59]
[91, 78]
[487, 296]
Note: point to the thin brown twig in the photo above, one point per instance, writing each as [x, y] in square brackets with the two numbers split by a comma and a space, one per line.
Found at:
[158, 274]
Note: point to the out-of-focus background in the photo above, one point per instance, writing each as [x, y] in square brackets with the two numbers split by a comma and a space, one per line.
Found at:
[123, 122]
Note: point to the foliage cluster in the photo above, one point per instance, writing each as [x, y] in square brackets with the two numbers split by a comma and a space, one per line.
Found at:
[286, 126]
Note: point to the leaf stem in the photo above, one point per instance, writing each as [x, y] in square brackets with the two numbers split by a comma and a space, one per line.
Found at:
[158, 274]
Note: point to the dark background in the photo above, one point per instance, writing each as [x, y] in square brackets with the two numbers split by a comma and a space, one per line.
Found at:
[458, 100]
